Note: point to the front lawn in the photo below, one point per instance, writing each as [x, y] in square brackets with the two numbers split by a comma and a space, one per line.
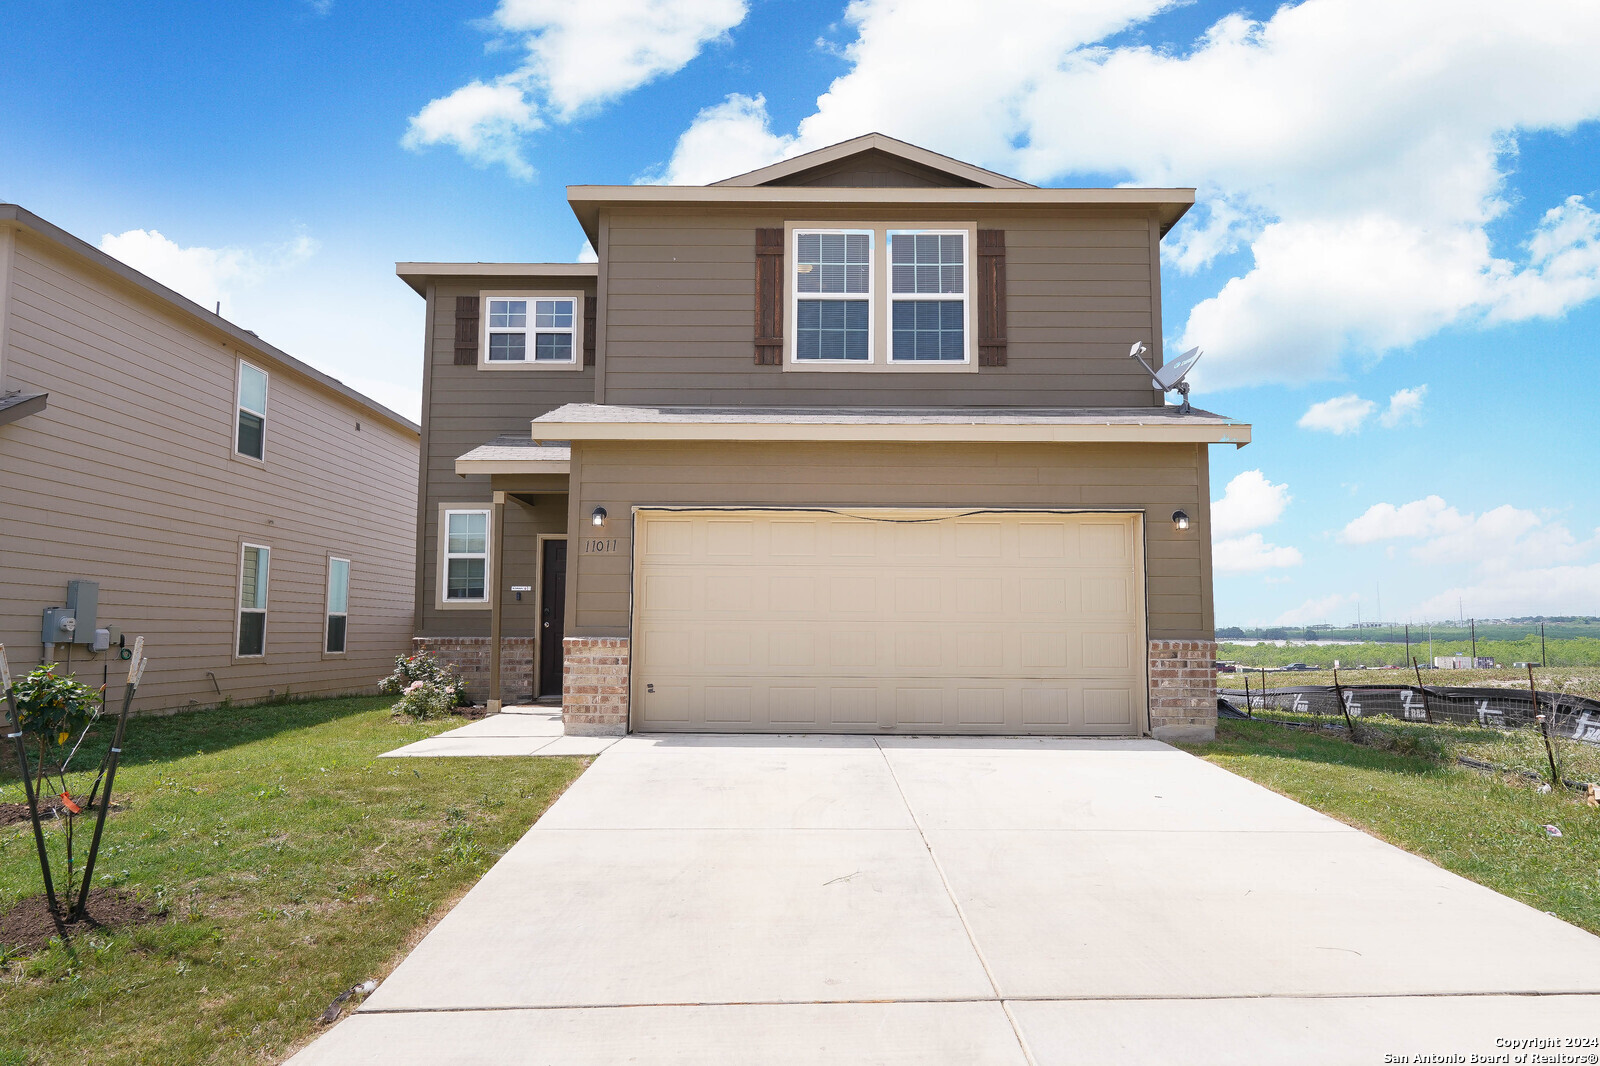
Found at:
[1485, 827]
[292, 864]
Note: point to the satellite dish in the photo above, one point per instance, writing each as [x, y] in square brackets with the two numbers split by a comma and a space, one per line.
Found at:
[1171, 376]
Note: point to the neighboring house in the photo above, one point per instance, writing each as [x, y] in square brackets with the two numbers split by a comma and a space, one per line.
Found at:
[247, 515]
[851, 443]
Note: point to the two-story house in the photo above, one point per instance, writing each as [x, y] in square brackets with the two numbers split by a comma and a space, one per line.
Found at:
[165, 473]
[851, 443]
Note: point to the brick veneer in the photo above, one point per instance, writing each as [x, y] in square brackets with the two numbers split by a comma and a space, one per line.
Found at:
[470, 656]
[1183, 689]
[594, 686]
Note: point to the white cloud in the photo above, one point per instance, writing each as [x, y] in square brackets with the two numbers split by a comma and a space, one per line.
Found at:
[1531, 590]
[486, 123]
[1501, 539]
[1249, 502]
[1340, 415]
[1419, 518]
[725, 139]
[1404, 405]
[1357, 148]
[1250, 554]
[207, 276]
[1317, 611]
[587, 254]
[579, 56]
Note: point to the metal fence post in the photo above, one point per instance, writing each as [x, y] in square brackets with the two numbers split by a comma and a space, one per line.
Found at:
[27, 778]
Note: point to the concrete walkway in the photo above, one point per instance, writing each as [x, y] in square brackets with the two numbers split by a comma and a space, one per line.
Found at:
[523, 730]
[903, 900]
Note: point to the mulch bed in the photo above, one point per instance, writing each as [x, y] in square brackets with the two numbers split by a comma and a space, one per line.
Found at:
[49, 807]
[29, 926]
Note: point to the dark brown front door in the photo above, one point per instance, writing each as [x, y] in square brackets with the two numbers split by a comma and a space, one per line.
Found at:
[552, 615]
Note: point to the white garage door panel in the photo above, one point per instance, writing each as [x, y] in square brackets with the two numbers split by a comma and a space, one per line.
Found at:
[999, 623]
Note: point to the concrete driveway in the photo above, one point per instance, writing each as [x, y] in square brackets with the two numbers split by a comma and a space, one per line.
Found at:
[721, 899]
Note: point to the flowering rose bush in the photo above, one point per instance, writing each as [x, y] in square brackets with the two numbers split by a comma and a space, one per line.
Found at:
[426, 699]
[420, 667]
[427, 687]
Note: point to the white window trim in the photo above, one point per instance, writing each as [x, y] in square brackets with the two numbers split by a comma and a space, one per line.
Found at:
[530, 363]
[442, 544]
[880, 300]
[238, 405]
[328, 613]
[891, 298]
[239, 610]
[791, 262]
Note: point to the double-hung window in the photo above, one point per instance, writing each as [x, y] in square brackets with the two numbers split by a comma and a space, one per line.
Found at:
[928, 297]
[250, 437]
[338, 606]
[532, 329]
[881, 297]
[466, 556]
[833, 296]
[254, 566]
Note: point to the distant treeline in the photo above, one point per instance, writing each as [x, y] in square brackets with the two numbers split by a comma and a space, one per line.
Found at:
[1389, 632]
[1577, 651]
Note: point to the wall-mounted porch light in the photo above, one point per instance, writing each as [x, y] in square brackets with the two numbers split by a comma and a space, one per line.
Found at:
[598, 518]
[1180, 520]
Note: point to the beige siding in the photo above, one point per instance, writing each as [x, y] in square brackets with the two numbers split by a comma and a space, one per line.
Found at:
[128, 479]
[467, 406]
[680, 304]
[1154, 478]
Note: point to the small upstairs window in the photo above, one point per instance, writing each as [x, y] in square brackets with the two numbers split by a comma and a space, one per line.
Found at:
[250, 437]
[532, 329]
[833, 295]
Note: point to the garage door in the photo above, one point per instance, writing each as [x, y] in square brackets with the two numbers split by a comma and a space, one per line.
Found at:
[902, 621]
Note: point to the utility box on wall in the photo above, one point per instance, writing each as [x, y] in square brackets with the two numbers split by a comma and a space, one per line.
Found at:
[74, 623]
[83, 599]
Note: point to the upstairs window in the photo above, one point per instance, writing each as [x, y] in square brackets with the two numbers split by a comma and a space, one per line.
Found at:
[338, 605]
[254, 565]
[833, 295]
[466, 556]
[250, 438]
[928, 305]
[532, 329]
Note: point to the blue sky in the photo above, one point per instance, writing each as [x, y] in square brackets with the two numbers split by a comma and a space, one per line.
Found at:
[1394, 266]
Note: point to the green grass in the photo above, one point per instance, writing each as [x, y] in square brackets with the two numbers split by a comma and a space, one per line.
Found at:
[1482, 826]
[293, 864]
[1559, 654]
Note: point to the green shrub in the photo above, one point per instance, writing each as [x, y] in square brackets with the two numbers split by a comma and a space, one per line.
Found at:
[426, 699]
[423, 667]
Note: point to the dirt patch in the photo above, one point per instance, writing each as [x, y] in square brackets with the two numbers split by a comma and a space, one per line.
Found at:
[49, 807]
[30, 925]
[474, 712]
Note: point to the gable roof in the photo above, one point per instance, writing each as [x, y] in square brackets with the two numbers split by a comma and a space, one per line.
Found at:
[13, 216]
[793, 171]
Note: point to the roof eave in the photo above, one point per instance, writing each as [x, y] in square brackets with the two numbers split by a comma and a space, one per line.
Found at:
[588, 200]
[417, 275]
[466, 466]
[1167, 432]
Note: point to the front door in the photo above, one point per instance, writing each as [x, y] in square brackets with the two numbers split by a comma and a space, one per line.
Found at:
[552, 614]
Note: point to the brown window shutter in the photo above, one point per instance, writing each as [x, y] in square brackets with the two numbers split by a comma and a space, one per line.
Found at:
[991, 297]
[590, 307]
[466, 331]
[769, 296]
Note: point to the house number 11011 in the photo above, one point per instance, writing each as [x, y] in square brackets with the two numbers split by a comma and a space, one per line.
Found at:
[600, 547]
